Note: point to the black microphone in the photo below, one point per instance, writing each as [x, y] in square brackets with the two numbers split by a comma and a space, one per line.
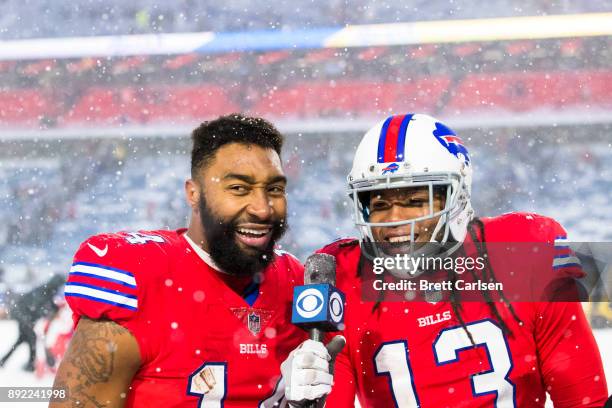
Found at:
[320, 269]
[318, 306]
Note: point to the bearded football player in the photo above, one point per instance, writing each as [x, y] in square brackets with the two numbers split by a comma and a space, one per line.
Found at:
[195, 317]
[411, 185]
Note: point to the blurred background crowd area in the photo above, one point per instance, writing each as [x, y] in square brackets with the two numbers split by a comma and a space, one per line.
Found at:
[501, 77]
[50, 18]
[57, 193]
[97, 144]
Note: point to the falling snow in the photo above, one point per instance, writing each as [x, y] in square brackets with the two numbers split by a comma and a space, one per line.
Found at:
[100, 143]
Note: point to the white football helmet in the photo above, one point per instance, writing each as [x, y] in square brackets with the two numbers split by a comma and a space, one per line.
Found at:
[413, 150]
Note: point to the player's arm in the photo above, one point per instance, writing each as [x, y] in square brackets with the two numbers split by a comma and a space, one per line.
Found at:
[98, 366]
[569, 357]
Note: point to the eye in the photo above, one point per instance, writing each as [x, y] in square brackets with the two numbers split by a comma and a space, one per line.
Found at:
[277, 190]
[418, 202]
[379, 205]
[239, 189]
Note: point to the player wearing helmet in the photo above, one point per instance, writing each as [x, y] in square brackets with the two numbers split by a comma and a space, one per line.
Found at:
[411, 187]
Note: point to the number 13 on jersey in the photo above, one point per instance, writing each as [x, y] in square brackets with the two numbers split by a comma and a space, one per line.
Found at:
[392, 359]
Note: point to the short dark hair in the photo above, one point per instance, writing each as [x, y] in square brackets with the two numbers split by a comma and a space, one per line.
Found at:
[233, 128]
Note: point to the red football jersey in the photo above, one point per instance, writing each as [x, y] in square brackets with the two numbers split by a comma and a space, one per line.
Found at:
[410, 354]
[201, 344]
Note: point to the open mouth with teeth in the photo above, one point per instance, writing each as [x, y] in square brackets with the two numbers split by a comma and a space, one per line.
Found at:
[400, 239]
[398, 243]
[254, 236]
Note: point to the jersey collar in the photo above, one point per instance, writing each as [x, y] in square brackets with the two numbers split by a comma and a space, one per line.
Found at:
[205, 256]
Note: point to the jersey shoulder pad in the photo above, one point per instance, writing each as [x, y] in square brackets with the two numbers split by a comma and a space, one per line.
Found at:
[347, 253]
[289, 264]
[110, 272]
[523, 227]
[339, 246]
[531, 227]
[285, 256]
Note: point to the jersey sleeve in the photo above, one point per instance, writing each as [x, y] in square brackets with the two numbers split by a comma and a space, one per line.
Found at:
[108, 280]
[565, 262]
[569, 357]
[102, 287]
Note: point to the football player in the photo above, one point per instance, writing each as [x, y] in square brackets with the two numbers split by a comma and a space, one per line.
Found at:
[411, 184]
[196, 317]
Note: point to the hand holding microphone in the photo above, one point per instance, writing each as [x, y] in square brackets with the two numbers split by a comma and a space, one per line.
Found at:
[318, 307]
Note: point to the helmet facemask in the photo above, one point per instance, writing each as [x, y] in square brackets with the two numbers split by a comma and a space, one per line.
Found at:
[452, 186]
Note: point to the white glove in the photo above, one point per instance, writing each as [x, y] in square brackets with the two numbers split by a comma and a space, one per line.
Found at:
[307, 373]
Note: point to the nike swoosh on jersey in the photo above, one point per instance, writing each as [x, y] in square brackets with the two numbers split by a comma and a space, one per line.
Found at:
[98, 251]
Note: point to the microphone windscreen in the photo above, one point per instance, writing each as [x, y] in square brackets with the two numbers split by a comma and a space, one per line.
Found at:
[320, 268]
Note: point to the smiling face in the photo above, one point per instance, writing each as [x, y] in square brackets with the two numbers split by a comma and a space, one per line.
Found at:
[241, 205]
[394, 205]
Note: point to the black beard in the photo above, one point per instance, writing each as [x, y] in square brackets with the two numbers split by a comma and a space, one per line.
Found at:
[224, 250]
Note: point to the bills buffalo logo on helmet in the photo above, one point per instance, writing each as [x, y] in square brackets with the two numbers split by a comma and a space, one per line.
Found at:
[451, 142]
[392, 168]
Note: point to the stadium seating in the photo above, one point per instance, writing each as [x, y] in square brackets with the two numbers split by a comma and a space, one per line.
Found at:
[352, 98]
[132, 105]
[476, 93]
[25, 107]
[528, 91]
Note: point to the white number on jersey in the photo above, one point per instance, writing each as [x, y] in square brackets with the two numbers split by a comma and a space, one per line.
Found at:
[488, 334]
[208, 382]
[138, 238]
[392, 359]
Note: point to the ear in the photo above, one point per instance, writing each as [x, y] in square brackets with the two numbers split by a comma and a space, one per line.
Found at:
[192, 194]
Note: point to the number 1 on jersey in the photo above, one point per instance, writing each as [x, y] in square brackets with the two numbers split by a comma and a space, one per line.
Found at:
[209, 382]
[391, 359]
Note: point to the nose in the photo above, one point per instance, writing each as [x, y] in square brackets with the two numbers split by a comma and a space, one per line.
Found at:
[260, 205]
[401, 213]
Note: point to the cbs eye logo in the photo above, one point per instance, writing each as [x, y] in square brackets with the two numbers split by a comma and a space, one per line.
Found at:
[309, 303]
[336, 307]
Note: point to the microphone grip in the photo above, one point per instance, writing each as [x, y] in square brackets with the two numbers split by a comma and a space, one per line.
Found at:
[316, 335]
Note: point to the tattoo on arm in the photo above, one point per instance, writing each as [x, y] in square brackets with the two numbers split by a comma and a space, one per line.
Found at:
[90, 362]
[94, 352]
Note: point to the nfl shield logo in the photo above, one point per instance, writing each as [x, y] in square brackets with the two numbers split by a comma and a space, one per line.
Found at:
[254, 323]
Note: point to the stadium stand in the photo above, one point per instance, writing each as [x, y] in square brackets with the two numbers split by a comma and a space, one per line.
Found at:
[25, 107]
[115, 17]
[353, 98]
[523, 91]
[113, 106]
[475, 94]
[452, 79]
